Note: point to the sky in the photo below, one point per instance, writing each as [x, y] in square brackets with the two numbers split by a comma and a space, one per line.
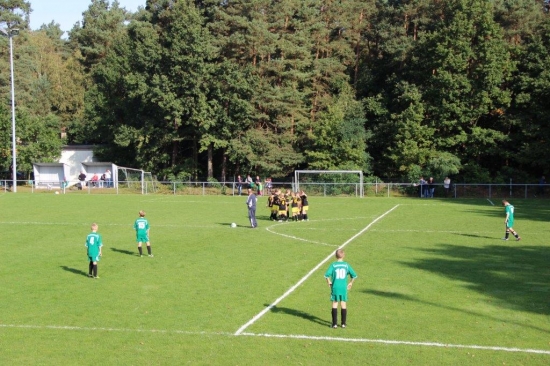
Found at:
[68, 12]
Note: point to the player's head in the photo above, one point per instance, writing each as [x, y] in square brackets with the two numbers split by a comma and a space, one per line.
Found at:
[504, 202]
[340, 253]
[141, 213]
[94, 227]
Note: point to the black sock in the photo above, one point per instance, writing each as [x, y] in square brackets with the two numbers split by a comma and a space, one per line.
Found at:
[95, 270]
[90, 268]
[334, 316]
[140, 251]
[507, 234]
[149, 249]
[305, 216]
[344, 316]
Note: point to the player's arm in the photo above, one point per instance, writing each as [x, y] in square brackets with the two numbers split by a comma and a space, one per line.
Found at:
[329, 282]
[351, 282]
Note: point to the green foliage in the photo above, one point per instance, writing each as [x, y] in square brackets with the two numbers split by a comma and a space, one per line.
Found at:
[209, 88]
[15, 14]
[37, 139]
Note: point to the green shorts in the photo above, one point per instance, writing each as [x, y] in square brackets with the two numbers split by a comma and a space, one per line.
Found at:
[93, 258]
[142, 239]
[339, 297]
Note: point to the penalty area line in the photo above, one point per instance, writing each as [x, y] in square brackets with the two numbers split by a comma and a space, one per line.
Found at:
[303, 279]
[491, 202]
[406, 343]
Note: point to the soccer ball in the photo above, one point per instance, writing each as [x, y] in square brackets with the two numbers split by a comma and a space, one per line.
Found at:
[56, 192]
[233, 225]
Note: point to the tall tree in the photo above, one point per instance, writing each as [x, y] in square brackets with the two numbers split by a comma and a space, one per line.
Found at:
[94, 36]
[15, 14]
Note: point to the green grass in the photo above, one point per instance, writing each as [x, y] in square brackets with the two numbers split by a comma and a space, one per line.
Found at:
[429, 271]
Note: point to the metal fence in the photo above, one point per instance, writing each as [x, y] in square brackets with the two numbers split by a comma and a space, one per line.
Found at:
[378, 189]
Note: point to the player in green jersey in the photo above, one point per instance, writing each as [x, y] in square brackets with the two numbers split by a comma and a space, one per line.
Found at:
[93, 250]
[141, 226]
[509, 221]
[337, 279]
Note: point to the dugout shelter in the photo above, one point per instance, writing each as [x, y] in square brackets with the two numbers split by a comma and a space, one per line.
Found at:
[50, 175]
[91, 168]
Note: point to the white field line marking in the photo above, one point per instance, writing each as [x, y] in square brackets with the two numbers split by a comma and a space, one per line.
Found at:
[303, 279]
[105, 224]
[492, 204]
[408, 343]
[67, 327]
[297, 238]
[316, 338]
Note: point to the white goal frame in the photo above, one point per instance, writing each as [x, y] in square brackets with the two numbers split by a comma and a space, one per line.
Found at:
[360, 172]
[142, 173]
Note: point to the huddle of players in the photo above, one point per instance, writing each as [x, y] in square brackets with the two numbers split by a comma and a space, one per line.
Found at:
[288, 205]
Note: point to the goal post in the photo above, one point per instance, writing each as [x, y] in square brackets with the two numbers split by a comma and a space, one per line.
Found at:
[340, 178]
[135, 179]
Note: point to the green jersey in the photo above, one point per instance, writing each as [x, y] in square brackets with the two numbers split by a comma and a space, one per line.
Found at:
[338, 273]
[93, 243]
[142, 228]
[509, 210]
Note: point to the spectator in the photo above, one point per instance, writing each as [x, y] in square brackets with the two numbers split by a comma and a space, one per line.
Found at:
[259, 186]
[542, 183]
[82, 179]
[268, 185]
[108, 178]
[447, 186]
[239, 184]
[430, 188]
[95, 180]
[423, 186]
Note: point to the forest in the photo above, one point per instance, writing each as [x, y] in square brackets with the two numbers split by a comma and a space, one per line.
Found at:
[209, 89]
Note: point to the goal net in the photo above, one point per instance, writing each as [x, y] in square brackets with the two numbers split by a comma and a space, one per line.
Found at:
[135, 180]
[330, 182]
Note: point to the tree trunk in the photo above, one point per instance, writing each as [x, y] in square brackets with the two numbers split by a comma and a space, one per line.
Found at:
[210, 159]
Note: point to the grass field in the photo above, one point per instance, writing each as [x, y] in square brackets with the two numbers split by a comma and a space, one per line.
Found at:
[436, 285]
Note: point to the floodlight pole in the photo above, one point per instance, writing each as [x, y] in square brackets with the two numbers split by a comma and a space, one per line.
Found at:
[10, 33]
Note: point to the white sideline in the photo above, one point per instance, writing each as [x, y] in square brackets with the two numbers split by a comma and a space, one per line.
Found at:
[492, 204]
[290, 336]
[291, 290]
[409, 343]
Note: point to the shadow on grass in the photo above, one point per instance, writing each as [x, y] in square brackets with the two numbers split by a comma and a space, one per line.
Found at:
[516, 277]
[75, 271]
[525, 209]
[124, 251]
[300, 314]
[479, 236]
[402, 297]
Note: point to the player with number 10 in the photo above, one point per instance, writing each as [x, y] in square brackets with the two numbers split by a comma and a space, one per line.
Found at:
[337, 279]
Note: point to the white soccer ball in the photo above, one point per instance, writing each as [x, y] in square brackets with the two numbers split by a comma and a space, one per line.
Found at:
[233, 225]
[56, 192]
